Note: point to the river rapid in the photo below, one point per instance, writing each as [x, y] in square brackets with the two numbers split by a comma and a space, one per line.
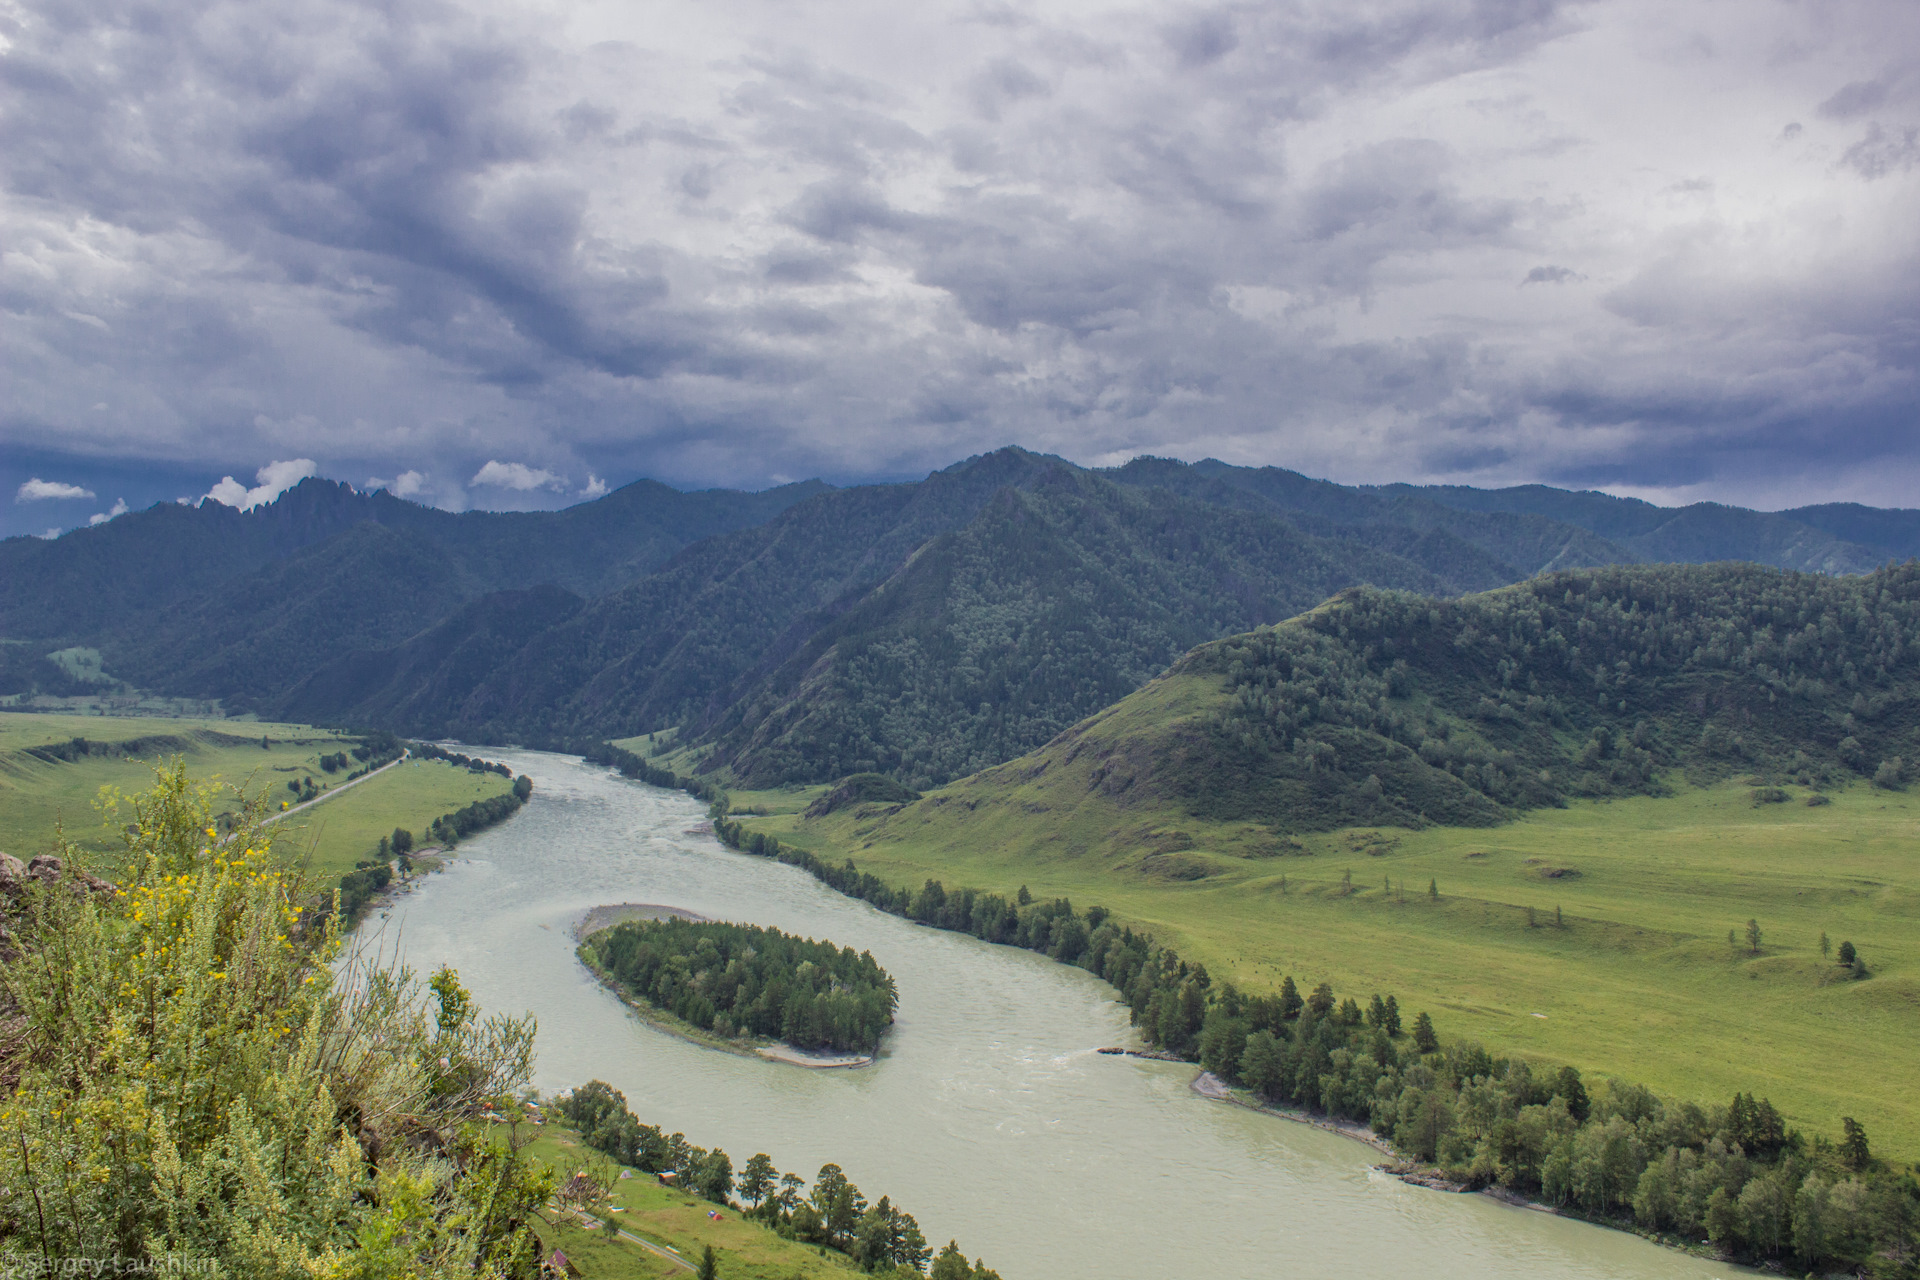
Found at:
[989, 1116]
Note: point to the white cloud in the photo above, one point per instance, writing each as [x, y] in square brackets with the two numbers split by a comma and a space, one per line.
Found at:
[101, 517]
[409, 483]
[271, 480]
[38, 490]
[518, 476]
[50, 535]
[595, 487]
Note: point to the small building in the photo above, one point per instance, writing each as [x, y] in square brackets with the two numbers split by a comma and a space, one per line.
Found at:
[555, 1266]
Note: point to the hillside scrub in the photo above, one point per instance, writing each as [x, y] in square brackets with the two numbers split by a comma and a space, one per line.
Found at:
[743, 980]
[880, 1237]
[1387, 708]
[191, 1083]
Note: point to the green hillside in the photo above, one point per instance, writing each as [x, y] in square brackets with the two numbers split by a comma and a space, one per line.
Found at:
[1280, 803]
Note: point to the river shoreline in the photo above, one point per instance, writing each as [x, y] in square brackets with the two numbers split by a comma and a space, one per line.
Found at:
[1212, 1087]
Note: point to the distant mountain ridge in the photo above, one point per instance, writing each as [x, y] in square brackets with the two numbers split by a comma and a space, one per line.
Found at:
[926, 629]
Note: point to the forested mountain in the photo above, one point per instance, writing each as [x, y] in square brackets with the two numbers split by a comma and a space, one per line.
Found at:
[926, 630]
[1384, 707]
[210, 601]
[1055, 601]
[89, 580]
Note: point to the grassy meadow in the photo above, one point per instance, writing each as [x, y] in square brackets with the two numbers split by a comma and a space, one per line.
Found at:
[675, 1219]
[1637, 979]
[37, 797]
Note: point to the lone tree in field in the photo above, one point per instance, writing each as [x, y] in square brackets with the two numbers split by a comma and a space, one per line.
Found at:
[1847, 954]
[1433, 889]
[1826, 946]
[1423, 1037]
[1753, 936]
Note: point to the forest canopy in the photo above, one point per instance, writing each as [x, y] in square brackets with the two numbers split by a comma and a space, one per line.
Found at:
[1386, 707]
[743, 980]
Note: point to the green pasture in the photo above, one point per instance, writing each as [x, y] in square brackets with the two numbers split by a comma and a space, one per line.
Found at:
[39, 797]
[337, 833]
[1638, 979]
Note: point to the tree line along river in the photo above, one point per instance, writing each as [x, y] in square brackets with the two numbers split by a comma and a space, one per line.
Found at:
[988, 1114]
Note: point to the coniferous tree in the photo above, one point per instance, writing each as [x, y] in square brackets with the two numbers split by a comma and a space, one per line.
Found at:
[1290, 1001]
[1853, 1147]
[1423, 1037]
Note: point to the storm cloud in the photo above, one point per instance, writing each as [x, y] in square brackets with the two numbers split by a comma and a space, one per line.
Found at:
[501, 251]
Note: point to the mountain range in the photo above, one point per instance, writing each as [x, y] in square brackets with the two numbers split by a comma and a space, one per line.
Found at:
[926, 630]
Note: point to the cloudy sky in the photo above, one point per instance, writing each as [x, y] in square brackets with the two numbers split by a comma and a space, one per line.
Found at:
[506, 254]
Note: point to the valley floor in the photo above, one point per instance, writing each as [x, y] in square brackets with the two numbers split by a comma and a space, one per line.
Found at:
[40, 796]
[1596, 935]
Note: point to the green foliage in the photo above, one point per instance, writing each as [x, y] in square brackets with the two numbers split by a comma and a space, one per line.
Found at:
[861, 788]
[451, 828]
[192, 1085]
[1388, 708]
[834, 1215]
[745, 980]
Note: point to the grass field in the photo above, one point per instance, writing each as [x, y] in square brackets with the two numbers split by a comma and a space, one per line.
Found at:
[679, 1221]
[412, 794]
[37, 797]
[1639, 980]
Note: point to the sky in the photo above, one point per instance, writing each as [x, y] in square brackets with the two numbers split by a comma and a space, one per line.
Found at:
[505, 254]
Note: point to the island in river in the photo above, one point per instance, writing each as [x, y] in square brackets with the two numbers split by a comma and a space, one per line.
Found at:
[741, 988]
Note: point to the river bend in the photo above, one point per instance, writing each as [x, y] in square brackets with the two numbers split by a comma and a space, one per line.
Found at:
[988, 1116]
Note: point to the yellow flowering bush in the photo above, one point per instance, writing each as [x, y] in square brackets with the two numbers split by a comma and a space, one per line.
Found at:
[190, 1071]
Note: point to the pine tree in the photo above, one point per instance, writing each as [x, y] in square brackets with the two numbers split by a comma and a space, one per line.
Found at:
[1433, 889]
[1423, 1037]
[709, 1266]
[1753, 936]
[1290, 1002]
[1854, 1145]
[1826, 946]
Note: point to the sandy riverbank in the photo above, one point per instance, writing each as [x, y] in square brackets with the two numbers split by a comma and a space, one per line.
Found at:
[619, 913]
[781, 1051]
[1208, 1085]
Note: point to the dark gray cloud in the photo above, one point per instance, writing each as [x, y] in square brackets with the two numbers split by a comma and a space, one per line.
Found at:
[413, 239]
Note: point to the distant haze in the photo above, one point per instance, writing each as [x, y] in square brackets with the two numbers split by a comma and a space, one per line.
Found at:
[511, 254]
